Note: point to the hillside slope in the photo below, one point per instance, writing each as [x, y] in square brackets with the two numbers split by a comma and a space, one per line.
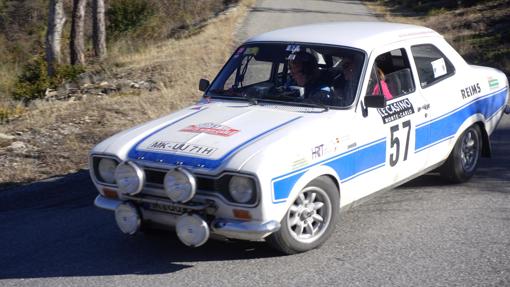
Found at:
[478, 30]
[54, 137]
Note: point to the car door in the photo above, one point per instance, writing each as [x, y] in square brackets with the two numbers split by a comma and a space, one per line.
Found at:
[437, 78]
[403, 119]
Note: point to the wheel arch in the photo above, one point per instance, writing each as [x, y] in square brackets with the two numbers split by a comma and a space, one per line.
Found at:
[486, 144]
[304, 179]
[476, 119]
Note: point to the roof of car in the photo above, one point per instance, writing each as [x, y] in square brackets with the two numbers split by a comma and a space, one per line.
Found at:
[362, 35]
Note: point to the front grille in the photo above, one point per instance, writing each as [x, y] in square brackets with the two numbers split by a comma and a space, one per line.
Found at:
[154, 177]
[154, 180]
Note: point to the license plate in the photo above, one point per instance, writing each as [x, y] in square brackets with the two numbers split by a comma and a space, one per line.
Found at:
[166, 208]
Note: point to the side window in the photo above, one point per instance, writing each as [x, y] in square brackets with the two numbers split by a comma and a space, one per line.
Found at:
[391, 75]
[432, 65]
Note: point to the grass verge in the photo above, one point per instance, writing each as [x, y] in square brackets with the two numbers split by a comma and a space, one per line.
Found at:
[54, 138]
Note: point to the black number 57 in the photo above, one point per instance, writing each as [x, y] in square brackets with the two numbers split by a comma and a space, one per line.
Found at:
[395, 142]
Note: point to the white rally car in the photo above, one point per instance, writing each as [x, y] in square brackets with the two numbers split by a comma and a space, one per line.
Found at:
[262, 158]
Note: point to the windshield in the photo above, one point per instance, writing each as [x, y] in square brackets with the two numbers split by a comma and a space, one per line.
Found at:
[291, 73]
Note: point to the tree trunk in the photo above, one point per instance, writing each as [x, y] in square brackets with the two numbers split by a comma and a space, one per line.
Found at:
[56, 20]
[77, 31]
[99, 29]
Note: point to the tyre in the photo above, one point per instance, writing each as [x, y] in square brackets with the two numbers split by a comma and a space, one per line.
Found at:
[310, 220]
[463, 160]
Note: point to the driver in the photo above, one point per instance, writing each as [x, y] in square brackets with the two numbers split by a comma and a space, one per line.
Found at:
[304, 70]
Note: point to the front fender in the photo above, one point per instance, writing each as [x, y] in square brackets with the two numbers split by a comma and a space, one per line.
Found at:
[286, 189]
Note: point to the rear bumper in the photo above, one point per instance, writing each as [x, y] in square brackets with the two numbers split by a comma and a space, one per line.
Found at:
[230, 228]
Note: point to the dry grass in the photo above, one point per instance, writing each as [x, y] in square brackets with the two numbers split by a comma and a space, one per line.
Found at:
[8, 72]
[53, 138]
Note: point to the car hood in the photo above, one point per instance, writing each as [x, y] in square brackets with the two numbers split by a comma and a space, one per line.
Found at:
[202, 136]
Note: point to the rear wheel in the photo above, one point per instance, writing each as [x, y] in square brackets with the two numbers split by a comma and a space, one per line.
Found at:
[310, 220]
[463, 161]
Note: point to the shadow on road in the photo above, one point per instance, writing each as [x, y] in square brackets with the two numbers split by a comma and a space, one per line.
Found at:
[52, 229]
[494, 170]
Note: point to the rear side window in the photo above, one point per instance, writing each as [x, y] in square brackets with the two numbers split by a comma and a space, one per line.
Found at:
[432, 65]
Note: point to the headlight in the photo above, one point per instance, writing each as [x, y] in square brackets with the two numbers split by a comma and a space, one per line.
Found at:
[106, 170]
[180, 185]
[130, 178]
[241, 188]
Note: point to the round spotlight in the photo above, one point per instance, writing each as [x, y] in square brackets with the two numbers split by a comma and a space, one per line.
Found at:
[127, 218]
[192, 230]
[106, 170]
[241, 188]
[180, 185]
[129, 178]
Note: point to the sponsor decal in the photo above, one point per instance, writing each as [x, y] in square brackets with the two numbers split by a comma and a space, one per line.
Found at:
[317, 151]
[299, 163]
[493, 83]
[320, 150]
[396, 110]
[439, 67]
[470, 91]
[182, 148]
[210, 128]
[293, 49]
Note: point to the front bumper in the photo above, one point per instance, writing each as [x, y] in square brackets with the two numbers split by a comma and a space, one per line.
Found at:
[230, 228]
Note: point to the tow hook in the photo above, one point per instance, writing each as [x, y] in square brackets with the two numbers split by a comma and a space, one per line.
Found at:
[507, 109]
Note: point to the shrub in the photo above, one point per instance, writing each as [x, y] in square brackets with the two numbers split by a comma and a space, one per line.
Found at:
[437, 11]
[34, 79]
[127, 15]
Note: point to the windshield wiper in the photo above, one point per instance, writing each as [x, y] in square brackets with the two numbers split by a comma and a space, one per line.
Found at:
[252, 100]
[315, 104]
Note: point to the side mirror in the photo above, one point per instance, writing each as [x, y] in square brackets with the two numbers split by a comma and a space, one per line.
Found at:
[375, 101]
[203, 85]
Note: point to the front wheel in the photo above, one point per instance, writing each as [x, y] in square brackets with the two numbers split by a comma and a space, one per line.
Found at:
[311, 218]
[463, 161]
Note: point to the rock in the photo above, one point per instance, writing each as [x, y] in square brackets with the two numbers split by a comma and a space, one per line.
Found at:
[134, 85]
[123, 84]
[18, 146]
[5, 142]
[50, 94]
[62, 93]
[71, 86]
[85, 79]
[6, 136]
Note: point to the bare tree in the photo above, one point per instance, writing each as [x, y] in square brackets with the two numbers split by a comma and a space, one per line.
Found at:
[77, 44]
[99, 29]
[56, 20]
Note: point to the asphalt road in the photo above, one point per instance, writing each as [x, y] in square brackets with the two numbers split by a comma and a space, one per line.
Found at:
[426, 233]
